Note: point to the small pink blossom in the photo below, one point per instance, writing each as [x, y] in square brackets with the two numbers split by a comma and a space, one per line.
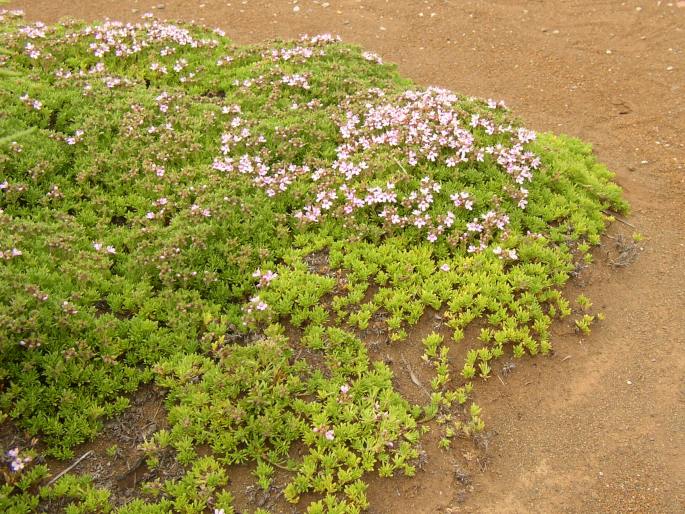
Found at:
[256, 303]
[264, 278]
[370, 56]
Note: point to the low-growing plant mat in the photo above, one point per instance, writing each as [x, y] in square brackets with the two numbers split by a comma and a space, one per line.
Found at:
[193, 195]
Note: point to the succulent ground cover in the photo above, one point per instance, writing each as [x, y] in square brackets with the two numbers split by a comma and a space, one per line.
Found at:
[231, 223]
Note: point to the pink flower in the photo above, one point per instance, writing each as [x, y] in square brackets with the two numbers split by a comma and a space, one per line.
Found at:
[264, 278]
[445, 267]
[330, 435]
[370, 56]
[257, 303]
[344, 388]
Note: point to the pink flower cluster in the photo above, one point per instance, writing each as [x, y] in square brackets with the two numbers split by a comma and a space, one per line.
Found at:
[265, 278]
[301, 53]
[6, 255]
[256, 304]
[107, 249]
[196, 210]
[312, 104]
[11, 14]
[226, 59]
[271, 179]
[482, 230]
[462, 199]
[31, 102]
[329, 434]
[505, 254]
[76, 138]
[31, 50]
[373, 57]
[424, 127]
[161, 204]
[296, 80]
[320, 39]
[248, 83]
[35, 31]
[122, 40]
[17, 462]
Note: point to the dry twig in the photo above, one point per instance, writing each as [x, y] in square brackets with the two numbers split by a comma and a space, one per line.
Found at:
[413, 377]
[67, 470]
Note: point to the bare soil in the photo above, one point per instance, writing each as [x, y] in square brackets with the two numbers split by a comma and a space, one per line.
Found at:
[600, 425]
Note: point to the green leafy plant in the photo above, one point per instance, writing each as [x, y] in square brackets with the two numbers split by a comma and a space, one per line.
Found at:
[234, 224]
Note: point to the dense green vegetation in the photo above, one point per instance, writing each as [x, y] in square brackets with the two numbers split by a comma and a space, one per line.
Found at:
[162, 195]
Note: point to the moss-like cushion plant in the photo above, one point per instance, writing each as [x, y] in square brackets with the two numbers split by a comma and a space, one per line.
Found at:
[229, 222]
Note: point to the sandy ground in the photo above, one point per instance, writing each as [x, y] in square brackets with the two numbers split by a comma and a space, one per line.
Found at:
[600, 426]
